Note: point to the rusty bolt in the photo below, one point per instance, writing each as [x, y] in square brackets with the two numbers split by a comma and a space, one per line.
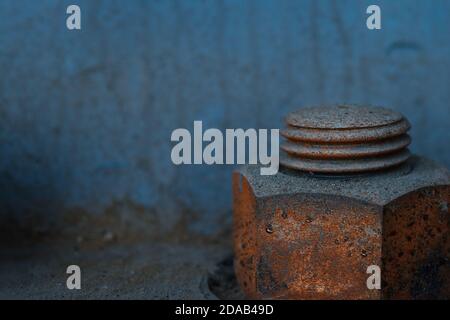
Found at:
[348, 196]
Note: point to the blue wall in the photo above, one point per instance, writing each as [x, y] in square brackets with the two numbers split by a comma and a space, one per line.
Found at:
[86, 116]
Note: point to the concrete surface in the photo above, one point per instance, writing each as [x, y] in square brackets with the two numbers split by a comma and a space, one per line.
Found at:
[114, 264]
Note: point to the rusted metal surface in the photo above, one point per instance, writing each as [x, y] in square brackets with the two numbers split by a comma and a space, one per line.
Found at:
[345, 138]
[416, 245]
[303, 236]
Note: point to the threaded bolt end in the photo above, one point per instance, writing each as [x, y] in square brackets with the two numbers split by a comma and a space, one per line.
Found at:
[345, 139]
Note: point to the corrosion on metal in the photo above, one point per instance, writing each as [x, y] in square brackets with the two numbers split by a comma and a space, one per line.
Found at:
[345, 138]
[303, 236]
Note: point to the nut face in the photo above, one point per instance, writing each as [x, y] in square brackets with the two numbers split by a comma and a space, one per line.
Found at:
[316, 247]
[297, 236]
[305, 246]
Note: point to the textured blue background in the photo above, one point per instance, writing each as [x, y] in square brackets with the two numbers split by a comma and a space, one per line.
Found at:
[86, 116]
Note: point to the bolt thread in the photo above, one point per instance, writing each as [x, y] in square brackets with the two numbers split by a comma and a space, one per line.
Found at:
[344, 139]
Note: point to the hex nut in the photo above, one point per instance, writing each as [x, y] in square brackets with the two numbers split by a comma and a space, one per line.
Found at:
[301, 237]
